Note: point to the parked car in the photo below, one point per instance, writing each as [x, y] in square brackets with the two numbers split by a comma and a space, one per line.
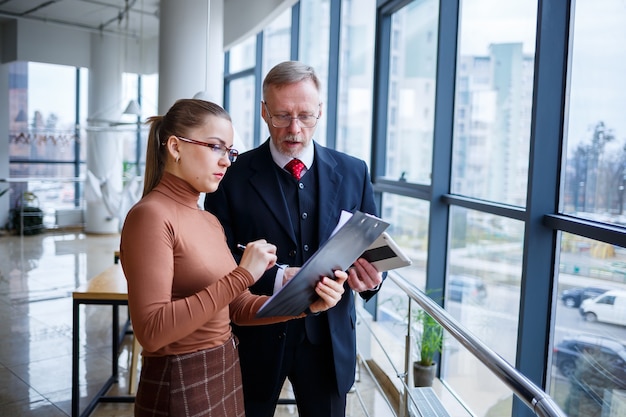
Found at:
[609, 307]
[605, 358]
[575, 296]
[466, 288]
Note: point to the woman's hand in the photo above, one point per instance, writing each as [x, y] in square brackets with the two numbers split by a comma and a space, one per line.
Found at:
[258, 257]
[330, 292]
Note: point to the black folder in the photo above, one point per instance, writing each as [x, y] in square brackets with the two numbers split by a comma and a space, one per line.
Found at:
[338, 252]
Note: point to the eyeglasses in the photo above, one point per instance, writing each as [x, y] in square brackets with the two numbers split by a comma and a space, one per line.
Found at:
[218, 148]
[284, 120]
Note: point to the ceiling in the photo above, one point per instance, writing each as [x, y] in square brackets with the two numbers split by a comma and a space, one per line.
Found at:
[129, 18]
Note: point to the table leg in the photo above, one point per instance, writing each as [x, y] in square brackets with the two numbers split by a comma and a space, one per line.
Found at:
[75, 354]
[116, 341]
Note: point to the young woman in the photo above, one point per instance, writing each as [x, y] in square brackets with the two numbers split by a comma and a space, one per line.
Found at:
[184, 287]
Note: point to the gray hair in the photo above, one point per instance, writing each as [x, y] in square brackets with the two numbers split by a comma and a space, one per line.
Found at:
[290, 72]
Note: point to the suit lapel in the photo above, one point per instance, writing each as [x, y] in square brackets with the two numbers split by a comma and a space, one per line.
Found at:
[265, 183]
[329, 184]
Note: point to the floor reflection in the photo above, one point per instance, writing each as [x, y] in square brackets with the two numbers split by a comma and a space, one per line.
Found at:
[37, 276]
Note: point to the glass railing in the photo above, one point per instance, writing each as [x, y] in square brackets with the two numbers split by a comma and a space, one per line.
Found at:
[388, 349]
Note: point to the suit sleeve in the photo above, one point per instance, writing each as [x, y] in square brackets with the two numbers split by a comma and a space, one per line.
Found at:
[369, 206]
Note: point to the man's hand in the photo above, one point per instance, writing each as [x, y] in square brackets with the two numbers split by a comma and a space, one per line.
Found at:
[363, 276]
[330, 292]
[289, 273]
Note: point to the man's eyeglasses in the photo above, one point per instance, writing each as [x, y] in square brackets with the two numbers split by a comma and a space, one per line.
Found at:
[218, 148]
[284, 120]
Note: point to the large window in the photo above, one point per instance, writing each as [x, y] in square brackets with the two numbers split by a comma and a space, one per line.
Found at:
[492, 119]
[465, 129]
[356, 74]
[589, 358]
[48, 132]
[313, 49]
[44, 141]
[411, 97]
[277, 41]
[493, 100]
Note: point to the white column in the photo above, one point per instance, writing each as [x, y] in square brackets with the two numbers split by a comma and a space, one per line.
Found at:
[103, 184]
[191, 50]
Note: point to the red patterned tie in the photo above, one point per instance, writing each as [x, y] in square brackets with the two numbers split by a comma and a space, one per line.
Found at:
[295, 167]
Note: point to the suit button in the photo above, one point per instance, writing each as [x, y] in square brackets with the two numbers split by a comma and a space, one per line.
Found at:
[306, 248]
[304, 216]
[301, 186]
[292, 253]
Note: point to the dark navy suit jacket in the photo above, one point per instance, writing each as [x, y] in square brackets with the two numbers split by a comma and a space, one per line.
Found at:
[250, 206]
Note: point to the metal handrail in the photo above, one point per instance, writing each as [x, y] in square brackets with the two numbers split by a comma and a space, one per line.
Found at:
[534, 397]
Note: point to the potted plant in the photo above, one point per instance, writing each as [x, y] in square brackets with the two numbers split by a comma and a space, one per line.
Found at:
[429, 344]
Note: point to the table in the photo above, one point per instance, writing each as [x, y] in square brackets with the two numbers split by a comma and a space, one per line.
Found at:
[106, 288]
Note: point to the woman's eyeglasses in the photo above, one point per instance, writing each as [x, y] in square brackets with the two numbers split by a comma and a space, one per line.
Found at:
[218, 148]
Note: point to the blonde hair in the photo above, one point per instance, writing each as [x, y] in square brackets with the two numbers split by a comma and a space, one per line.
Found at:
[185, 114]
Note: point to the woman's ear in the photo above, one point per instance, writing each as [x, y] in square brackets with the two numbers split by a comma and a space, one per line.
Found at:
[172, 147]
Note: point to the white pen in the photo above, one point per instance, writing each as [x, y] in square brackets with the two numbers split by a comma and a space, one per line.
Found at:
[243, 248]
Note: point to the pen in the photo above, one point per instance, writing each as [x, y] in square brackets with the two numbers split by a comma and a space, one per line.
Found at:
[243, 248]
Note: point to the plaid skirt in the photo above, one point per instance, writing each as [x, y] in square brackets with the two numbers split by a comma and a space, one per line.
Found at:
[204, 383]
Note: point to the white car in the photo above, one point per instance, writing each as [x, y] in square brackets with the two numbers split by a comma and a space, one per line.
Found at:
[609, 307]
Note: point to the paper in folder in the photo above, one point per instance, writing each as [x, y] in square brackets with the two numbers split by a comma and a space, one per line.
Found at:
[339, 252]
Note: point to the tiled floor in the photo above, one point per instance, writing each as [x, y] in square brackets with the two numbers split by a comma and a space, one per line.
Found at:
[37, 276]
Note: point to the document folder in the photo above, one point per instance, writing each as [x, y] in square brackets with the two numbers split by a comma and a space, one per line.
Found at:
[385, 254]
[338, 252]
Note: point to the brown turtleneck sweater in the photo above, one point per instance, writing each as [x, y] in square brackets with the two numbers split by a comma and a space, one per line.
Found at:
[183, 283]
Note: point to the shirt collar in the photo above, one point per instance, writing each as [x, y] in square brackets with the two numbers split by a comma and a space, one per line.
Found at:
[281, 160]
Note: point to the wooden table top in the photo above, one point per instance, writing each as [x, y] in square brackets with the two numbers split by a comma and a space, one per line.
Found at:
[110, 284]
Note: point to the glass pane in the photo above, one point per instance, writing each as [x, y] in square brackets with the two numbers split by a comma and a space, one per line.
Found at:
[314, 49]
[149, 95]
[356, 77]
[494, 100]
[242, 112]
[83, 97]
[483, 293]
[276, 49]
[409, 228]
[595, 174]
[277, 41]
[390, 329]
[589, 352]
[411, 109]
[42, 122]
[242, 55]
